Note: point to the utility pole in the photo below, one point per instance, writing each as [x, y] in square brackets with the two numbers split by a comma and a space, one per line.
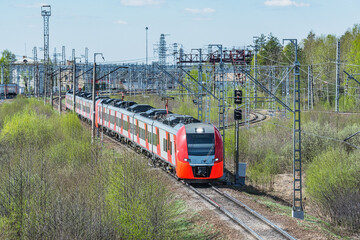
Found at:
[255, 40]
[221, 96]
[309, 87]
[93, 97]
[36, 74]
[86, 68]
[147, 59]
[60, 108]
[46, 13]
[337, 76]
[297, 209]
[74, 79]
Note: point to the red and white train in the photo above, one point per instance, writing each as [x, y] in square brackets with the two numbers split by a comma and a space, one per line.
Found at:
[191, 149]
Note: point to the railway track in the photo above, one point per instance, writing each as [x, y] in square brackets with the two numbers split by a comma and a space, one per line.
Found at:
[254, 223]
[257, 226]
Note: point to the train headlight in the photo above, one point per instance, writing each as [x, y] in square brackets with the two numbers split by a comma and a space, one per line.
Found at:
[186, 160]
[199, 130]
[216, 159]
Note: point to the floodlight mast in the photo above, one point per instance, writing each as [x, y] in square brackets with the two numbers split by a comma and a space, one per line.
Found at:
[46, 13]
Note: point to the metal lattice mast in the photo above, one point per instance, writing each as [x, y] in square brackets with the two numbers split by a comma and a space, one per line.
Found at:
[247, 101]
[36, 73]
[207, 99]
[309, 87]
[162, 50]
[297, 209]
[287, 102]
[221, 96]
[337, 76]
[86, 66]
[46, 13]
[255, 69]
[312, 87]
[270, 79]
[200, 91]
[63, 56]
[273, 89]
[74, 79]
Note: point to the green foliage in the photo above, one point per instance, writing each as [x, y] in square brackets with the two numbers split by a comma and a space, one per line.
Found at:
[54, 183]
[333, 183]
[266, 150]
[6, 59]
[270, 51]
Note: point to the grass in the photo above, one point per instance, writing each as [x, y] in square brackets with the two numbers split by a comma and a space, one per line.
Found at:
[310, 222]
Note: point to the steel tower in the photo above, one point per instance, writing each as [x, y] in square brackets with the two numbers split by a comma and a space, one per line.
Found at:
[46, 13]
[162, 50]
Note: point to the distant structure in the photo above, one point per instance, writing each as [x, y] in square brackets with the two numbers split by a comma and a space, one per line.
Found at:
[46, 13]
[161, 50]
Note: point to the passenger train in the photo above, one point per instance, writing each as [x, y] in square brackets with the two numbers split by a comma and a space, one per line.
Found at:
[9, 90]
[192, 150]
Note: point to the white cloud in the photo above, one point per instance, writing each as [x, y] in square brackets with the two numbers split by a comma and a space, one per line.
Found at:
[120, 22]
[197, 10]
[285, 3]
[139, 3]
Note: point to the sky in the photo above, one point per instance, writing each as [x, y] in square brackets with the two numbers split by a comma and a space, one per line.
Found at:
[116, 28]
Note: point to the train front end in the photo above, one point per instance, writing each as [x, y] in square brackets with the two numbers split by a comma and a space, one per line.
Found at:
[199, 153]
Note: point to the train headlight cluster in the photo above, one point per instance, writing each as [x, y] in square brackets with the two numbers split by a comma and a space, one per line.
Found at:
[186, 160]
[199, 130]
[216, 159]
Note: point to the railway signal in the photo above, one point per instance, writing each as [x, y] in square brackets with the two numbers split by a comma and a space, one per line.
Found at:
[237, 114]
[238, 96]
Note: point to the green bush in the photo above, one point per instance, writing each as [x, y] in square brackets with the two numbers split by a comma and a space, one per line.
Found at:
[56, 184]
[142, 208]
[333, 183]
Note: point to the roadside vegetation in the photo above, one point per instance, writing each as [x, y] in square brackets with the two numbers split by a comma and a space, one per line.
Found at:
[331, 166]
[56, 184]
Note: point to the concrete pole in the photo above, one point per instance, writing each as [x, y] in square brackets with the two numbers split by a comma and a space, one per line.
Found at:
[337, 96]
[93, 97]
[74, 79]
[93, 102]
[60, 108]
[147, 60]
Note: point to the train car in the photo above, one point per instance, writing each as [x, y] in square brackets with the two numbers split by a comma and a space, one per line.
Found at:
[192, 150]
[8, 91]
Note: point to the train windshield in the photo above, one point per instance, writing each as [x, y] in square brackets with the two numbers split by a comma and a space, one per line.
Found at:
[202, 144]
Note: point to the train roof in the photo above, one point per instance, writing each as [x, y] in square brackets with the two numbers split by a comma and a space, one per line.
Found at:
[175, 119]
[126, 104]
[107, 101]
[116, 102]
[137, 108]
[155, 113]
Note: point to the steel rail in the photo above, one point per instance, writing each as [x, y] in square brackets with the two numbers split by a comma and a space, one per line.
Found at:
[253, 212]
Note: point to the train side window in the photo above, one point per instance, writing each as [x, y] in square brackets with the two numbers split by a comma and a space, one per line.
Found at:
[164, 145]
[157, 137]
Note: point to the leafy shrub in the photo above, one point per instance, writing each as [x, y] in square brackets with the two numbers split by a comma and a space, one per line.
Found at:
[316, 138]
[333, 183]
[55, 184]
